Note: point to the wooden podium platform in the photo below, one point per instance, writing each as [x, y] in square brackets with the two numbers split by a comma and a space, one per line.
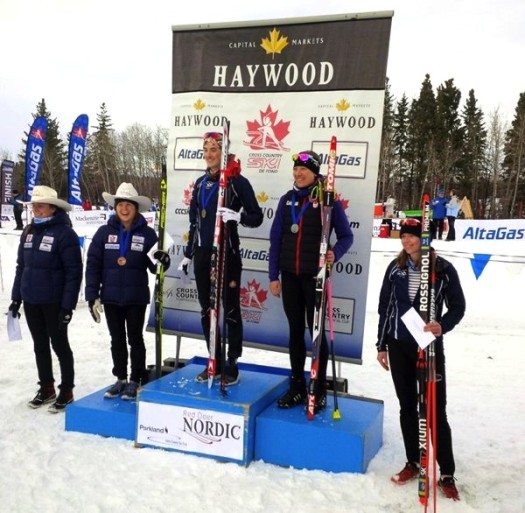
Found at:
[177, 413]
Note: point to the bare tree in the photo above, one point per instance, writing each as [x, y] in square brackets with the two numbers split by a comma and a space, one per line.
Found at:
[496, 139]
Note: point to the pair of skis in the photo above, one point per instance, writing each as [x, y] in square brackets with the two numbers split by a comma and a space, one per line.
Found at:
[426, 368]
[159, 277]
[323, 289]
[218, 267]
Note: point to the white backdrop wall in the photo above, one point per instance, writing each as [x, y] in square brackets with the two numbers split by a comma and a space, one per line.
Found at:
[285, 86]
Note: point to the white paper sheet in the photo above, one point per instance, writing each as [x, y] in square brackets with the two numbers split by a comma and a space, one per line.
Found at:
[14, 333]
[415, 325]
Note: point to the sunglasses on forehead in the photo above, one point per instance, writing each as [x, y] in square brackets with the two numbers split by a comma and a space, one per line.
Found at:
[410, 222]
[304, 157]
[217, 136]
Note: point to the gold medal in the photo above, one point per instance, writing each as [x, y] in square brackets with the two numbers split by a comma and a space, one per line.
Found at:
[121, 260]
[203, 213]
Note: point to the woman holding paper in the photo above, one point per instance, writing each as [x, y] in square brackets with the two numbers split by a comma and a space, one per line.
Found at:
[47, 281]
[398, 350]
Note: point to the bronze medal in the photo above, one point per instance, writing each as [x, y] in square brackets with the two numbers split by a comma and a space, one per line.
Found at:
[203, 213]
[121, 260]
[294, 228]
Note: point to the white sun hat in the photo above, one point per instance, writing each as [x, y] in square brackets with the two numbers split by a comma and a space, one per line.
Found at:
[45, 194]
[127, 192]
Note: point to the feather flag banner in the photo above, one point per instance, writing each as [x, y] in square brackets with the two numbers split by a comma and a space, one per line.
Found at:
[77, 152]
[36, 141]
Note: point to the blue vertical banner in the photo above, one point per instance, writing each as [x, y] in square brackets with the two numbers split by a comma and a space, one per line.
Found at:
[36, 141]
[77, 152]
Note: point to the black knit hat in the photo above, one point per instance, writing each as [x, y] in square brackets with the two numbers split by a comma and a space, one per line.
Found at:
[308, 159]
[412, 226]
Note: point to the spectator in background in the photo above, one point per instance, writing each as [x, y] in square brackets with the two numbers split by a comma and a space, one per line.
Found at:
[117, 282]
[86, 205]
[439, 211]
[389, 205]
[47, 280]
[18, 208]
[452, 212]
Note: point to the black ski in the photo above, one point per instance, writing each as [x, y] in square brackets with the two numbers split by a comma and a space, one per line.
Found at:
[159, 278]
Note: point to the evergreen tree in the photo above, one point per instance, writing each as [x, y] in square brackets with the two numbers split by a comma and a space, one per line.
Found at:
[400, 141]
[449, 135]
[514, 162]
[473, 181]
[101, 172]
[421, 144]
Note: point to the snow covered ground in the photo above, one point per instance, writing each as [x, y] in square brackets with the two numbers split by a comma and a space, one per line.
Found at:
[45, 469]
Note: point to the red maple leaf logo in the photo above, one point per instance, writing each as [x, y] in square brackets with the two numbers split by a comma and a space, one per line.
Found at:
[253, 296]
[344, 202]
[267, 133]
[187, 194]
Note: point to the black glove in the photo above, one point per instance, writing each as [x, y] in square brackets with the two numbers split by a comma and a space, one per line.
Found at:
[64, 318]
[14, 308]
[163, 258]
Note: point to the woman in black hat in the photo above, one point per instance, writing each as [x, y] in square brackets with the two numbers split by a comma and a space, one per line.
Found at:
[398, 350]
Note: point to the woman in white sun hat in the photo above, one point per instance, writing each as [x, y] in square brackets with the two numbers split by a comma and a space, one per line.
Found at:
[117, 278]
[47, 280]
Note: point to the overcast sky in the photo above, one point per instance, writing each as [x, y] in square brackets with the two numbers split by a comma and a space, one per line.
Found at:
[78, 54]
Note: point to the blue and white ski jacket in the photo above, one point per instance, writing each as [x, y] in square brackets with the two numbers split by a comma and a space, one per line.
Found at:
[394, 301]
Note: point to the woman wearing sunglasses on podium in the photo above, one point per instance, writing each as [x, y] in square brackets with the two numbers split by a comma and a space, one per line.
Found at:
[295, 239]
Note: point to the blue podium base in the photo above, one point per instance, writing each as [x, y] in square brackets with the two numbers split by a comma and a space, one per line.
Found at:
[177, 413]
[347, 444]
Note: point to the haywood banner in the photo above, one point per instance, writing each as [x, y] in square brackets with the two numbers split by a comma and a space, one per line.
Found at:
[285, 86]
[36, 141]
[77, 146]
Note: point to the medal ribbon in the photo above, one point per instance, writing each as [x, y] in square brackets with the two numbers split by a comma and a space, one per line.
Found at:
[123, 241]
[296, 217]
[205, 199]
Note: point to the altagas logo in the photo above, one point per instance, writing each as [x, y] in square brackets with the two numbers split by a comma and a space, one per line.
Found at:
[267, 133]
[500, 233]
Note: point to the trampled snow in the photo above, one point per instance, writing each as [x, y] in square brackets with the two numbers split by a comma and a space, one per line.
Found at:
[45, 469]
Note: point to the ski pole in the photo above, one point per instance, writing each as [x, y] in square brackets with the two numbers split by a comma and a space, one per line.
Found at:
[336, 415]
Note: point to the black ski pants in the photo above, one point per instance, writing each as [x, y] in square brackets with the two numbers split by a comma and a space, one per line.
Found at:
[120, 318]
[451, 235]
[231, 299]
[42, 320]
[298, 293]
[402, 356]
[436, 228]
